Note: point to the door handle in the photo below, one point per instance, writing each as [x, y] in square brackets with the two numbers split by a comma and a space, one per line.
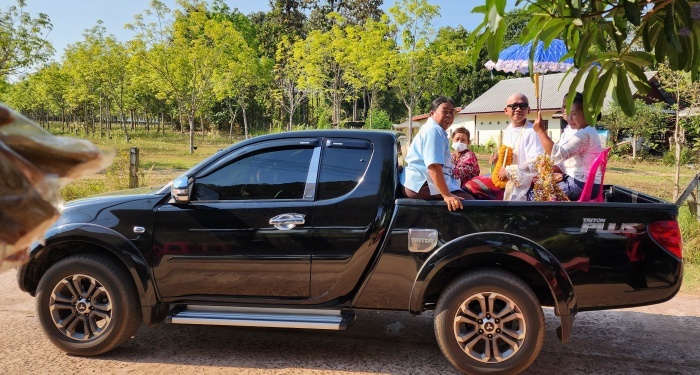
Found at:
[287, 221]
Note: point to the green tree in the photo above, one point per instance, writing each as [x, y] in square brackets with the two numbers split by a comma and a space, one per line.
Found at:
[687, 94]
[184, 54]
[370, 50]
[287, 73]
[322, 64]
[649, 120]
[603, 39]
[285, 18]
[53, 83]
[413, 63]
[356, 12]
[83, 64]
[22, 39]
[115, 59]
[242, 71]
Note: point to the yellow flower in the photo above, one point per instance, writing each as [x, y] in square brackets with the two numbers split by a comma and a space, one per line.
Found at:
[546, 189]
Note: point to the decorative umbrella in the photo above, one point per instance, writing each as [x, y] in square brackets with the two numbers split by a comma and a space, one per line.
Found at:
[516, 59]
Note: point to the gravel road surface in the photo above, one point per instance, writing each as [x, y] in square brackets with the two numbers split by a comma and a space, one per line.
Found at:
[659, 339]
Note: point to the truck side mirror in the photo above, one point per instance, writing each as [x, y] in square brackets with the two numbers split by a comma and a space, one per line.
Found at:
[180, 191]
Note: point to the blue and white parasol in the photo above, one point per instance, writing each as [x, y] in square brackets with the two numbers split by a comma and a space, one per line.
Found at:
[516, 57]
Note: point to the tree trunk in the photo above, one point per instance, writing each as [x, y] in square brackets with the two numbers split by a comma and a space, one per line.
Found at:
[677, 174]
[102, 115]
[634, 147]
[245, 120]
[190, 119]
[126, 133]
[354, 109]
[109, 123]
[291, 116]
[410, 124]
[92, 121]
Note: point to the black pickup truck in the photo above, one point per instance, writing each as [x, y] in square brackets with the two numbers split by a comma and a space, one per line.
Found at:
[300, 230]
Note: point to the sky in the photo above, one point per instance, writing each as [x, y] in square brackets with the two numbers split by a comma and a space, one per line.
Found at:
[70, 18]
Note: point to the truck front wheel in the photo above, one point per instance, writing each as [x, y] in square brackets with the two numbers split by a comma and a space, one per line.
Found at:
[87, 305]
[489, 321]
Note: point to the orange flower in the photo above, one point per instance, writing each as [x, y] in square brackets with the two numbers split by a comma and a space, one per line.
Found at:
[502, 151]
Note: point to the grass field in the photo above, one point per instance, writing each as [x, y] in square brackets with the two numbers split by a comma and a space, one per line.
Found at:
[164, 157]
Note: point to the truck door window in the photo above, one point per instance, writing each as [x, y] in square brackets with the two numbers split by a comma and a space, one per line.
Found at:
[343, 164]
[270, 174]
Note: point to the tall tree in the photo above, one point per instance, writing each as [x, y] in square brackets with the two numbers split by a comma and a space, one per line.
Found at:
[242, 71]
[83, 63]
[184, 53]
[53, 85]
[323, 67]
[369, 58]
[22, 39]
[687, 94]
[413, 63]
[285, 18]
[356, 12]
[287, 73]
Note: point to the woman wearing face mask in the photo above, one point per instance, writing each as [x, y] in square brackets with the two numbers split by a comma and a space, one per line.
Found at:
[466, 166]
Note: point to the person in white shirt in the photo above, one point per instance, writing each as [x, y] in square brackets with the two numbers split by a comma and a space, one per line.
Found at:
[575, 151]
[519, 136]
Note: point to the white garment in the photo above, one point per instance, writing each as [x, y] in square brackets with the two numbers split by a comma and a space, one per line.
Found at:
[526, 147]
[576, 151]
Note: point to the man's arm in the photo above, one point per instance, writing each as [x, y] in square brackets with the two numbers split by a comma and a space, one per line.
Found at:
[453, 201]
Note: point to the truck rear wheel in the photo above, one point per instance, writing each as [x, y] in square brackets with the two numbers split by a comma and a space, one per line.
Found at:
[489, 321]
[87, 305]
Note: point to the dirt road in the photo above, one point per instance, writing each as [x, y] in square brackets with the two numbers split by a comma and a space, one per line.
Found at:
[660, 339]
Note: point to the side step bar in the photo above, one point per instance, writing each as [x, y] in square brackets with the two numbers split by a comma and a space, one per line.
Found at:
[263, 317]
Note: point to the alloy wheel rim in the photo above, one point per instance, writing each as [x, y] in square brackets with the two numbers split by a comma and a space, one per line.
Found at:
[81, 307]
[489, 327]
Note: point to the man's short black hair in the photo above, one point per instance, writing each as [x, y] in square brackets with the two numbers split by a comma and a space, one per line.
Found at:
[441, 100]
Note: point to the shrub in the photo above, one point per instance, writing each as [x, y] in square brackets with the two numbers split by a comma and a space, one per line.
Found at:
[380, 120]
[690, 230]
[488, 148]
[687, 156]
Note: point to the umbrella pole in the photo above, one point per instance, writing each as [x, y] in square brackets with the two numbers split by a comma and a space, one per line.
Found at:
[537, 90]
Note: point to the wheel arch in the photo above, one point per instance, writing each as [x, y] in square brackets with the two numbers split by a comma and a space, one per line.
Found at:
[72, 239]
[529, 261]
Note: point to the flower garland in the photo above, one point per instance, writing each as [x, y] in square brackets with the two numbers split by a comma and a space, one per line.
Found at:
[505, 157]
[546, 189]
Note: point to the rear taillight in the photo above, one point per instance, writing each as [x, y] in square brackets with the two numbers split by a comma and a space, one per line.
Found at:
[668, 235]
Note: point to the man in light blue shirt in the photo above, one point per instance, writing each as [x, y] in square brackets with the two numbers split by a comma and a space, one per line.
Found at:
[428, 170]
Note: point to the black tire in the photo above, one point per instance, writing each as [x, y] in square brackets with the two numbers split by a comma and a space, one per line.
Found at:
[515, 324]
[87, 305]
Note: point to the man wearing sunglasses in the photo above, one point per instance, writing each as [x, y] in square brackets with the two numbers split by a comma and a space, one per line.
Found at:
[521, 138]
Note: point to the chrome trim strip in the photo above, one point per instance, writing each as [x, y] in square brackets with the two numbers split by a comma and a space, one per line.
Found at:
[260, 317]
[310, 188]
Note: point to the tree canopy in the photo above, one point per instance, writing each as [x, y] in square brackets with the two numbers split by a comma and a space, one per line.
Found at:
[609, 40]
[22, 39]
